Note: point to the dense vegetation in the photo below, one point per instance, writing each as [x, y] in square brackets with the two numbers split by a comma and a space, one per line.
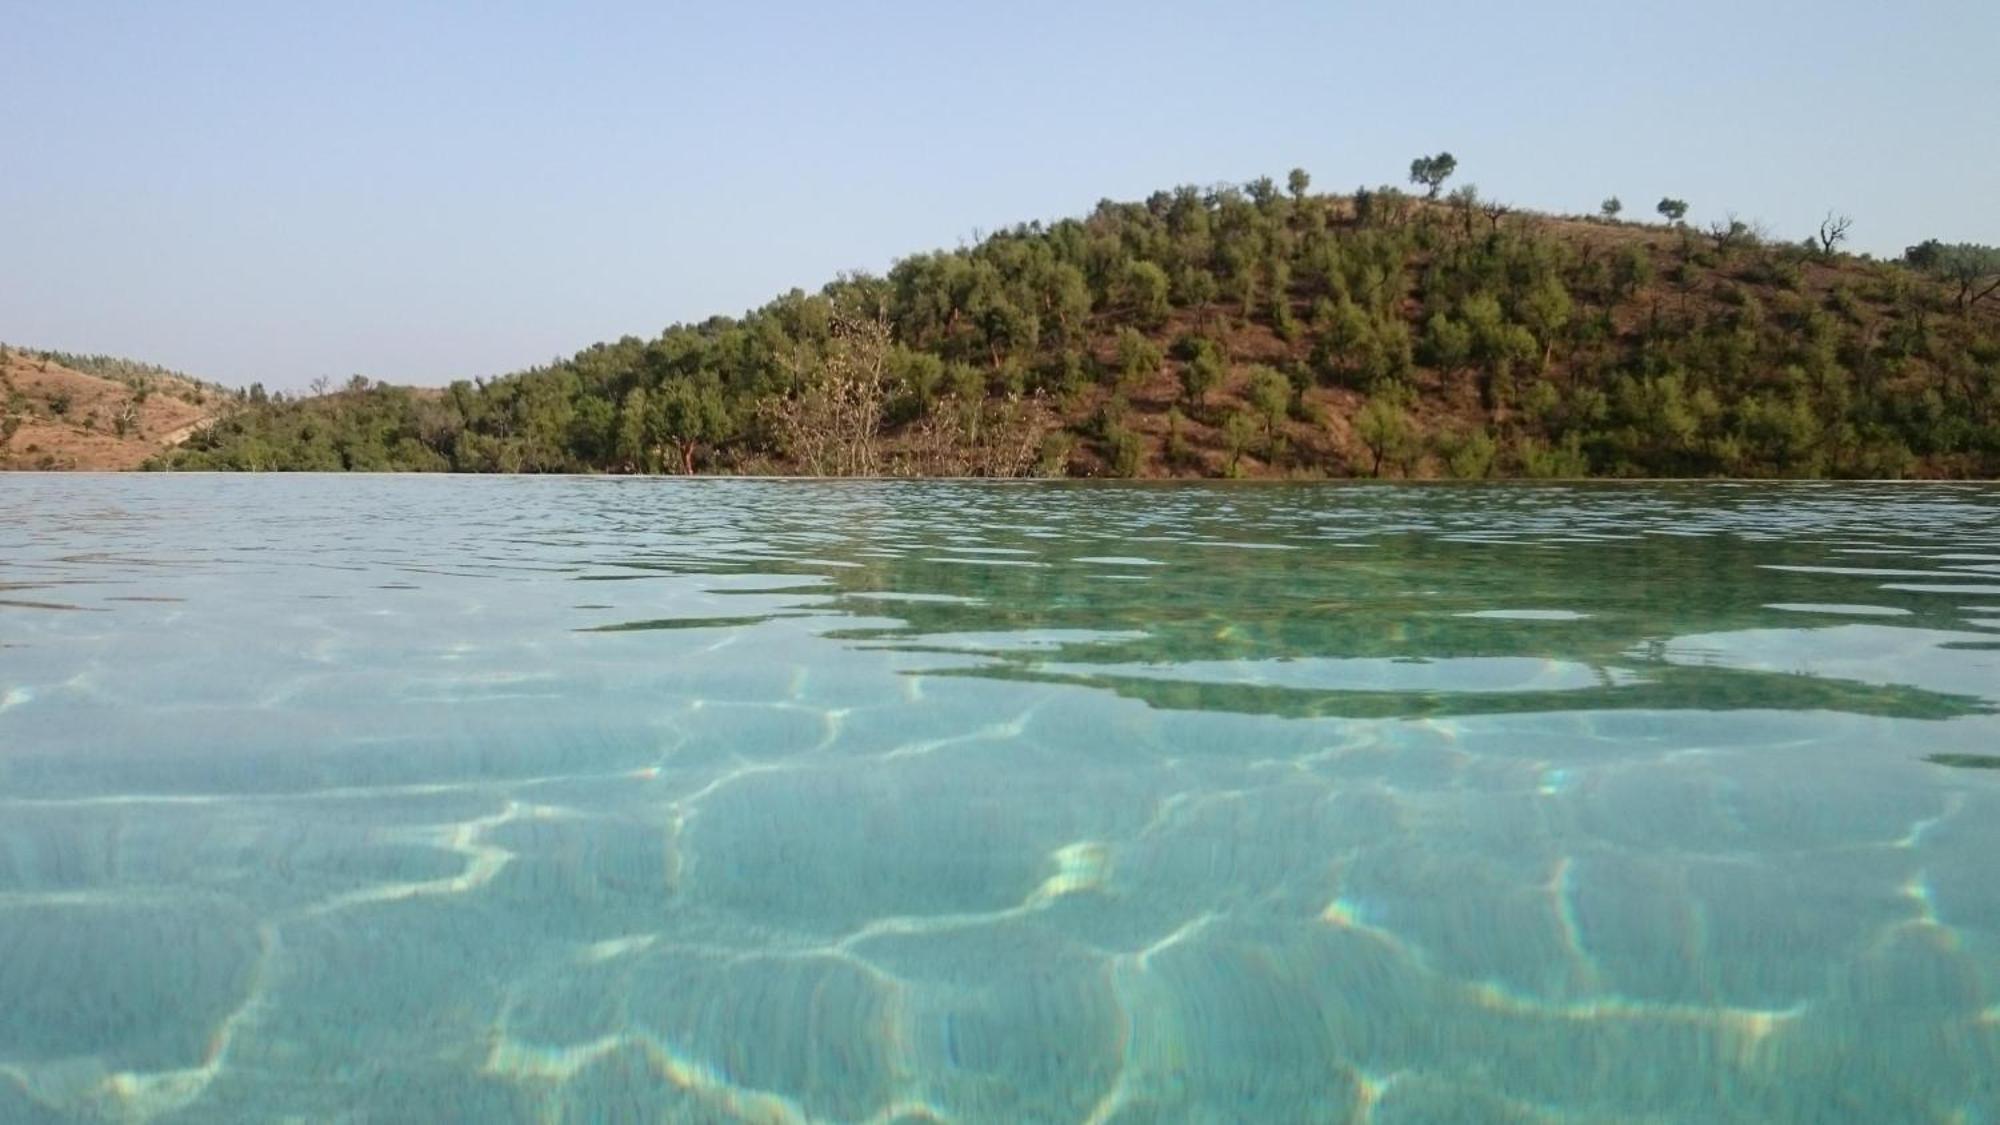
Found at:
[1254, 330]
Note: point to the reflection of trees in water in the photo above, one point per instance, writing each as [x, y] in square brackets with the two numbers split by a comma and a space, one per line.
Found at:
[1288, 573]
[1967, 761]
[1706, 689]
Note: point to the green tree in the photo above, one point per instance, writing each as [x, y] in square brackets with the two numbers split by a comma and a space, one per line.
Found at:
[1447, 344]
[1546, 309]
[1469, 456]
[1540, 460]
[1610, 208]
[1202, 371]
[1146, 292]
[1631, 268]
[1197, 289]
[635, 444]
[1348, 343]
[1384, 426]
[1972, 268]
[1673, 210]
[1297, 183]
[1238, 432]
[1271, 394]
[1138, 356]
[690, 414]
[1430, 172]
[1128, 450]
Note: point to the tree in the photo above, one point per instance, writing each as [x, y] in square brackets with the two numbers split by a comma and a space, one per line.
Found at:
[1198, 289]
[1238, 431]
[1432, 171]
[1631, 268]
[1297, 183]
[1832, 232]
[1546, 309]
[828, 425]
[1469, 456]
[690, 414]
[1384, 427]
[1464, 201]
[1447, 344]
[1924, 255]
[1271, 394]
[1202, 371]
[1138, 356]
[634, 442]
[1731, 232]
[1973, 268]
[1146, 290]
[1610, 208]
[1347, 344]
[1673, 210]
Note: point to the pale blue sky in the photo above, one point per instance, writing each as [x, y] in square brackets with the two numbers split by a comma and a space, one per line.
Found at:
[423, 191]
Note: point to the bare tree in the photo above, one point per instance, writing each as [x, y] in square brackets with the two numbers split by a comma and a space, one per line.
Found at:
[1832, 232]
[978, 438]
[830, 424]
[1495, 211]
[1464, 200]
[1732, 232]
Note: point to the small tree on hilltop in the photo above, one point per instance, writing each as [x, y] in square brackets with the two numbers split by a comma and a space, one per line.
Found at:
[1832, 232]
[1432, 172]
[1610, 208]
[1297, 183]
[1673, 210]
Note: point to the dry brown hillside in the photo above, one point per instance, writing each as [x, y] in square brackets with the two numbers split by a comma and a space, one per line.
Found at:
[54, 417]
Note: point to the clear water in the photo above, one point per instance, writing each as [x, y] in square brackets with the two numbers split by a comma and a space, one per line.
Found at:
[382, 799]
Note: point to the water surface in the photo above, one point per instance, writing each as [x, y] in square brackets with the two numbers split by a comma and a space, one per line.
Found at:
[412, 799]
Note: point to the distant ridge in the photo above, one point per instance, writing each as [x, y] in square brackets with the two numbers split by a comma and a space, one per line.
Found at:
[62, 411]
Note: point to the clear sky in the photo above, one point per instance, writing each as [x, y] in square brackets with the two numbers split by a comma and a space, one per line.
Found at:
[424, 191]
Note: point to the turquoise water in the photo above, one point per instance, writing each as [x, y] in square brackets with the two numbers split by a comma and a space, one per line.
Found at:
[394, 799]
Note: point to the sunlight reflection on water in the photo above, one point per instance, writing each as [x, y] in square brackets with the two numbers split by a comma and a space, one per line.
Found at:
[348, 797]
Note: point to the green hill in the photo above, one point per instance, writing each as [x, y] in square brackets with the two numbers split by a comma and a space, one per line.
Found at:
[1252, 331]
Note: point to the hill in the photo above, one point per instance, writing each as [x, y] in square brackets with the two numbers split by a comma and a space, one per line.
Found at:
[1253, 331]
[60, 411]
